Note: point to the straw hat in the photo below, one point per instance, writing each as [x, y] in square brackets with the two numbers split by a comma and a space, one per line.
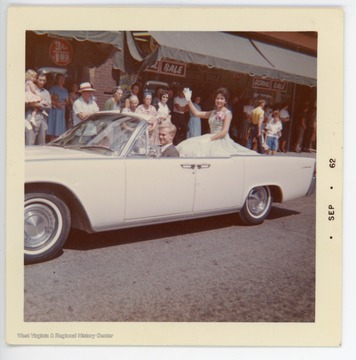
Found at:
[85, 86]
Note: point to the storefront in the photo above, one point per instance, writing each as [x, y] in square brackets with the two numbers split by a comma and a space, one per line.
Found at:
[200, 60]
[205, 61]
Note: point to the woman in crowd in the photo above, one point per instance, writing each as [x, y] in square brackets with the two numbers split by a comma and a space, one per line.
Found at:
[56, 118]
[147, 109]
[163, 112]
[194, 123]
[114, 102]
[218, 142]
[133, 104]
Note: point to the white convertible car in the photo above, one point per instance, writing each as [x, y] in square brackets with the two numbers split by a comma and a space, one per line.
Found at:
[103, 175]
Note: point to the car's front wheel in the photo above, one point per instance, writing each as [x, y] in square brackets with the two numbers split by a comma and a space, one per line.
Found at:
[257, 206]
[47, 223]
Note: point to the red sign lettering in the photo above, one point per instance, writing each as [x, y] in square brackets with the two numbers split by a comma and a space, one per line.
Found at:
[60, 52]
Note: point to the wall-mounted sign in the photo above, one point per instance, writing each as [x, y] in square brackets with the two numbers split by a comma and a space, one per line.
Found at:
[169, 67]
[268, 84]
[61, 52]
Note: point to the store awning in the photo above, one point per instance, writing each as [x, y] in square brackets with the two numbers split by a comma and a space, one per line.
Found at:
[233, 53]
[90, 48]
[129, 59]
[291, 65]
[113, 38]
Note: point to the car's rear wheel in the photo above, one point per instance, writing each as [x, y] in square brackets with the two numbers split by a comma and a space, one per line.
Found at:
[257, 206]
[46, 224]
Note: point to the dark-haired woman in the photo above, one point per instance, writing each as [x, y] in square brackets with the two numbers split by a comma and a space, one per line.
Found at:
[218, 141]
[163, 112]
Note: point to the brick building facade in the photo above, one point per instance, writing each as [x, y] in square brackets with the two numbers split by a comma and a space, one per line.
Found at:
[103, 82]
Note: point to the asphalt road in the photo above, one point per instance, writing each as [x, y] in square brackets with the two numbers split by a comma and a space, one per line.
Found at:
[213, 270]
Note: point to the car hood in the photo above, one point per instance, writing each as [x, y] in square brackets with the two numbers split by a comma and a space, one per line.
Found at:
[55, 153]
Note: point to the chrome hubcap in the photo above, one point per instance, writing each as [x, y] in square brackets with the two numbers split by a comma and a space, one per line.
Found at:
[40, 225]
[257, 201]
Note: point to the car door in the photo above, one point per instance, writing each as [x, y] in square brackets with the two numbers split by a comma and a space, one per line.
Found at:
[219, 183]
[158, 187]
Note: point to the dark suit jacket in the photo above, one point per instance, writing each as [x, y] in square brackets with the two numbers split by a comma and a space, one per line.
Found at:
[171, 151]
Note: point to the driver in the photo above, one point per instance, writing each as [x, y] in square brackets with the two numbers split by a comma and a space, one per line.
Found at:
[166, 136]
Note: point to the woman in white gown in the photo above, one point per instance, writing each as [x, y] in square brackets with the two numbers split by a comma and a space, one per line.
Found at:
[218, 142]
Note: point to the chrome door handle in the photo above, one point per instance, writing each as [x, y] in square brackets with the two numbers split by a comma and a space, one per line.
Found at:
[188, 166]
[203, 166]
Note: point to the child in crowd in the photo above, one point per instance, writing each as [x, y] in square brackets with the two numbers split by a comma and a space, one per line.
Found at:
[273, 129]
[32, 95]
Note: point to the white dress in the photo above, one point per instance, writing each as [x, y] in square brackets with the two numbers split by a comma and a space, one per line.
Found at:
[200, 146]
[163, 114]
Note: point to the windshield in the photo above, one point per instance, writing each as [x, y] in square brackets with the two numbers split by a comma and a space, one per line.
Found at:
[101, 131]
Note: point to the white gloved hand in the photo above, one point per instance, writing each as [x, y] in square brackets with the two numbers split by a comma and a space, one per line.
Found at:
[187, 94]
[204, 140]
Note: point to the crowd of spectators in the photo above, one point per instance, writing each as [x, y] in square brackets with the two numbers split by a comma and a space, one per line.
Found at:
[254, 119]
[255, 124]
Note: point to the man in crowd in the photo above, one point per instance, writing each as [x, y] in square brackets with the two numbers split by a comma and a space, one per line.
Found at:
[85, 105]
[180, 109]
[36, 133]
[257, 116]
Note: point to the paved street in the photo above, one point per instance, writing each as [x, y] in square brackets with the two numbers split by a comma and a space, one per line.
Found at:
[213, 269]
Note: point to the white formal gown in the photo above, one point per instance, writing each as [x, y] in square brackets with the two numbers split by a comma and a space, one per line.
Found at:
[199, 146]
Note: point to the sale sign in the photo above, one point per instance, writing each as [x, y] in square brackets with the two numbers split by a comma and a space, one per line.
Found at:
[169, 67]
[268, 84]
